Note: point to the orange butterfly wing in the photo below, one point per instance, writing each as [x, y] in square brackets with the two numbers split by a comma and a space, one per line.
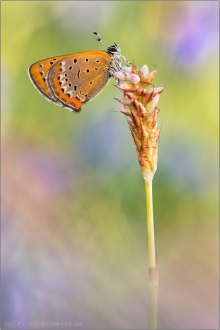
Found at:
[38, 73]
[44, 75]
[79, 78]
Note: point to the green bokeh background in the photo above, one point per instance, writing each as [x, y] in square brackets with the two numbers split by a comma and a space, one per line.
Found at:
[74, 240]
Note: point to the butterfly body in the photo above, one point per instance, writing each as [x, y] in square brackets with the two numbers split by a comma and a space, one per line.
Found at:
[72, 80]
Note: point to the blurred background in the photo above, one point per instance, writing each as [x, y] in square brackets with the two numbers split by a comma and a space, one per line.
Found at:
[74, 239]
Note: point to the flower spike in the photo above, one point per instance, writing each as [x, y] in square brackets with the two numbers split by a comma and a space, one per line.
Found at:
[140, 104]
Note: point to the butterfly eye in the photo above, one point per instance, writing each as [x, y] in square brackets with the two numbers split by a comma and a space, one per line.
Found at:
[112, 49]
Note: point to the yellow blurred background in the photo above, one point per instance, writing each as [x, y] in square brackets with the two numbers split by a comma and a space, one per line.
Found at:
[74, 240]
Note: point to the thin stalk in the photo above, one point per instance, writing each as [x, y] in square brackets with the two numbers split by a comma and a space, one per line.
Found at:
[153, 273]
[150, 225]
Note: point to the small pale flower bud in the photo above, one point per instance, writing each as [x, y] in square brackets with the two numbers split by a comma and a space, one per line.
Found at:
[127, 69]
[126, 87]
[151, 105]
[134, 78]
[144, 71]
[120, 75]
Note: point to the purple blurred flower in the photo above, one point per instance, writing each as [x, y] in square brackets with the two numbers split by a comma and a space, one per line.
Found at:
[190, 32]
[199, 37]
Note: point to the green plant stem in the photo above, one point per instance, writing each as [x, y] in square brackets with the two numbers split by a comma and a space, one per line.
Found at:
[150, 225]
[153, 273]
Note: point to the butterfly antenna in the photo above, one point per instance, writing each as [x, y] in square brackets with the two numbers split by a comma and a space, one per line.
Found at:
[100, 39]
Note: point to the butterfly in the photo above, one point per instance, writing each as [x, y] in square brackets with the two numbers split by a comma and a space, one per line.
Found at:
[71, 81]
